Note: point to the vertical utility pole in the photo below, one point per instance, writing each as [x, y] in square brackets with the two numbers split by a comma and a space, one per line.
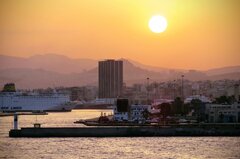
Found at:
[174, 89]
[148, 90]
[182, 88]
[236, 92]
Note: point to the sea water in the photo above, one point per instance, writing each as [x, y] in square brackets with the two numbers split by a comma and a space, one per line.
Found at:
[108, 148]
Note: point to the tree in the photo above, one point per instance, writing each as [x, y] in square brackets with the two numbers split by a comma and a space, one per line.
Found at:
[177, 106]
[225, 100]
[197, 105]
[145, 114]
[186, 108]
[165, 110]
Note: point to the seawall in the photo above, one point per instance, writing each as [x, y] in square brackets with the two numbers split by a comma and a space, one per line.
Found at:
[145, 131]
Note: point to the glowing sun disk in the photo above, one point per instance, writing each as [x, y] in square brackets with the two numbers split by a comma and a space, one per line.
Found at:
[157, 24]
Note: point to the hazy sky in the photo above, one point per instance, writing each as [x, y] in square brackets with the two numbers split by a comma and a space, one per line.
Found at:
[201, 34]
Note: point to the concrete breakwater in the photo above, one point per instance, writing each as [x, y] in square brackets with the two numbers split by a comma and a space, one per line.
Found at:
[22, 113]
[129, 131]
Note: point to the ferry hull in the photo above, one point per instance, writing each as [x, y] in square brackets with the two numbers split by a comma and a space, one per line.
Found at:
[12, 102]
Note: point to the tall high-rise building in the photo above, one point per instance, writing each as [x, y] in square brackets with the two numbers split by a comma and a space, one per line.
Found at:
[110, 78]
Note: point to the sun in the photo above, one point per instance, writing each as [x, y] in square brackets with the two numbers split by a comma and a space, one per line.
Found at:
[157, 24]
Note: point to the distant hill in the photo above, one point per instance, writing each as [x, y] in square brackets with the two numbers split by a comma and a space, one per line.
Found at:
[223, 70]
[233, 76]
[49, 62]
[153, 68]
[38, 78]
[42, 71]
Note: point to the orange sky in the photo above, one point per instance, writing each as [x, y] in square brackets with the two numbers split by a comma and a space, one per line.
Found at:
[201, 34]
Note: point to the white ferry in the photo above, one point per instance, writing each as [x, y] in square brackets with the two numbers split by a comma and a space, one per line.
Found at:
[13, 101]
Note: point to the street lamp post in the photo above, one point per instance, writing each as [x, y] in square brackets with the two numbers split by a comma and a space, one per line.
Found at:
[174, 89]
[182, 88]
[147, 90]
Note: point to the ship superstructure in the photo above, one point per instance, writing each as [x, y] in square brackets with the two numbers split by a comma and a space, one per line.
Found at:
[13, 101]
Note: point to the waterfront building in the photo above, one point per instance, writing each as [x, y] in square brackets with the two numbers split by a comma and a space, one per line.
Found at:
[121, 110]
[124, 111]
[223, 113]
[137, 112]
[110, 78]
[226, 113]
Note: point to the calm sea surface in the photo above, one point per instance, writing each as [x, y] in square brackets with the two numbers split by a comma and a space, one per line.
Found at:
[147, 147]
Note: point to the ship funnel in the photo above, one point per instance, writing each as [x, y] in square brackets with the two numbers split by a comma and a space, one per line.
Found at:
[9, 87]
[236, 92]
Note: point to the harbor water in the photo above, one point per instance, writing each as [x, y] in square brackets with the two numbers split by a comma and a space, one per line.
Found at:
[137, 147]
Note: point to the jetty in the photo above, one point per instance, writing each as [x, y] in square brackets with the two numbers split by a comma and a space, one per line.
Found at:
[126, 131]
[116, 130]
[3, 114]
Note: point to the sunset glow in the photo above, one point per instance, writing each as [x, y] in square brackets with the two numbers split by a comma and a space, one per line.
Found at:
[200, 34]
[93, 79]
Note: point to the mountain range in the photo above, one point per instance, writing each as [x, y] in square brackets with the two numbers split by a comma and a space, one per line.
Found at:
[52, 70]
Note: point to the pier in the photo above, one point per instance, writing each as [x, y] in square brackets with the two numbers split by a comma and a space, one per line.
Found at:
[125, 131]
[22, 113]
